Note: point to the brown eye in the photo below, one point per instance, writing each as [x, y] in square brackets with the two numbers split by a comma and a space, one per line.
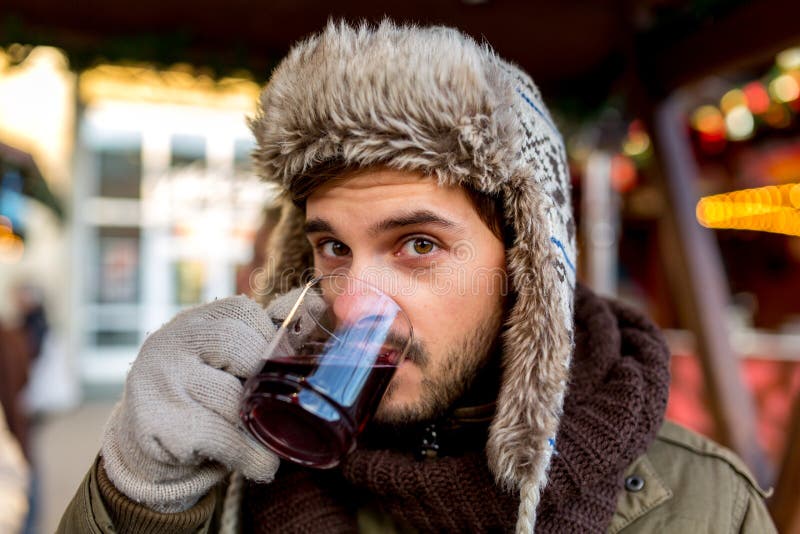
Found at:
[423, 246]
[335, 248]
[340, 249]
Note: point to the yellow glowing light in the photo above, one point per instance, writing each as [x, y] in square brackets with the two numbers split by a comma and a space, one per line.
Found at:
[732, 99]
[739, 123]
[176, 85]
[794, 195]
[37, 107]
[708, 119]
[636, 144]
[789, 59]
[784, 88]
[768, 209]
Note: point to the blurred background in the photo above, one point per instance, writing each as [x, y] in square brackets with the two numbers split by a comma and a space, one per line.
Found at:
[126, 194]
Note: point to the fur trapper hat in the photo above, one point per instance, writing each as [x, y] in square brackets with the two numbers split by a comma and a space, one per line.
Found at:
[433, 100]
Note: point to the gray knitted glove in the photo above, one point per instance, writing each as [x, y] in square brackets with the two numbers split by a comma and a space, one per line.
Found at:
[175, 433]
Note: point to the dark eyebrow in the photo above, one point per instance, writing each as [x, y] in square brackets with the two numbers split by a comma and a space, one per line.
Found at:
[406, 219]
[317, 226]
[412, 218]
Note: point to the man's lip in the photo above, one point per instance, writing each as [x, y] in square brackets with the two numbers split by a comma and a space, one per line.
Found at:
[391, 353]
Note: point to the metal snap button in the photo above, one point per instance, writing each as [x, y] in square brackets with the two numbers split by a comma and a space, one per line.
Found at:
[634, 483]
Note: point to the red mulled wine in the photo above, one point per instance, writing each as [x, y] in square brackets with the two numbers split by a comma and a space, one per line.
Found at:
[309, 409]
[325, 370]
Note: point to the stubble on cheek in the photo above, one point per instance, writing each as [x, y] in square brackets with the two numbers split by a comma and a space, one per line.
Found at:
[404, 389]
[428, 390]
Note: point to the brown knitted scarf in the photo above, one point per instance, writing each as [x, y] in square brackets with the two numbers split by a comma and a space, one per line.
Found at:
[613, 409]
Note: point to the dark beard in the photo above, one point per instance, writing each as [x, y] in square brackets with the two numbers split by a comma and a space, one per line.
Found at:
[471, 373]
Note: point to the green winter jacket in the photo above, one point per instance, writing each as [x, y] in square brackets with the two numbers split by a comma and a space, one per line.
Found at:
[683, 483]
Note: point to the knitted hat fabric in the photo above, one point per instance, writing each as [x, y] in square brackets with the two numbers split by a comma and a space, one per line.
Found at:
[435, 101]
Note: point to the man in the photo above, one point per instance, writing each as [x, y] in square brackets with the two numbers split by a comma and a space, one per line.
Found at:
[14, 481]
[418, 158]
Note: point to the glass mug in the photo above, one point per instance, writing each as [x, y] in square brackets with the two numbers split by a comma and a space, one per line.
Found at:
[326, 370]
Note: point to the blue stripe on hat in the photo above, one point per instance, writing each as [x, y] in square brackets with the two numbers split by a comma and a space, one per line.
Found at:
[560, 245]
[528, 99]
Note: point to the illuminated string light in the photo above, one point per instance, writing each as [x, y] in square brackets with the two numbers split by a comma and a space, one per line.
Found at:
[708, 120]
[623, 173]
[732, 99]
[789, 59]
[768, 209]
[636, 144]
[777, 116]
[757, 97]
[784, 88]
[739, 123]
[794, 196]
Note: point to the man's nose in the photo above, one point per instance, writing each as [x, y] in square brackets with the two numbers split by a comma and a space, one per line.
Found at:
[374, 272]
[359, 302]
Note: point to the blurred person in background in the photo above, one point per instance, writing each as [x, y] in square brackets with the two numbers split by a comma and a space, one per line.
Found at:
[29, 302]
[14, 480]
[50, 387]
[402, 148]
[20, 348]
[15, 358]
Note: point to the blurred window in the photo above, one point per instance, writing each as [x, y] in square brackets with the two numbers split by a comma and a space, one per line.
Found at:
[189, 282]
[242, 151]
[115, 338]
[121, 170]
[118, 265]
[188, 150]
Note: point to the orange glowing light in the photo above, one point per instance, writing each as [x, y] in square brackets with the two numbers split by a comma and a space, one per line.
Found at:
[777, 116]
[11, 246]
[623, 173]
[794, 196]
[732, 99]
[710, 124]
[768, 209]
[708, 120]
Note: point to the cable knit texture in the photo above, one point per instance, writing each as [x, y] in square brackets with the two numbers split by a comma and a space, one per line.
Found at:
[613, 409]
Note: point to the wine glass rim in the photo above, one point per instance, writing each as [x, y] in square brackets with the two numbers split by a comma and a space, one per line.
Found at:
[402, 312]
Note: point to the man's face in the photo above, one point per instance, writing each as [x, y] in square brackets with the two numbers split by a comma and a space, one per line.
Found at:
[426, 246]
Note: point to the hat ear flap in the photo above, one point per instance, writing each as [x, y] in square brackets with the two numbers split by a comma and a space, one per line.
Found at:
[290, 259]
